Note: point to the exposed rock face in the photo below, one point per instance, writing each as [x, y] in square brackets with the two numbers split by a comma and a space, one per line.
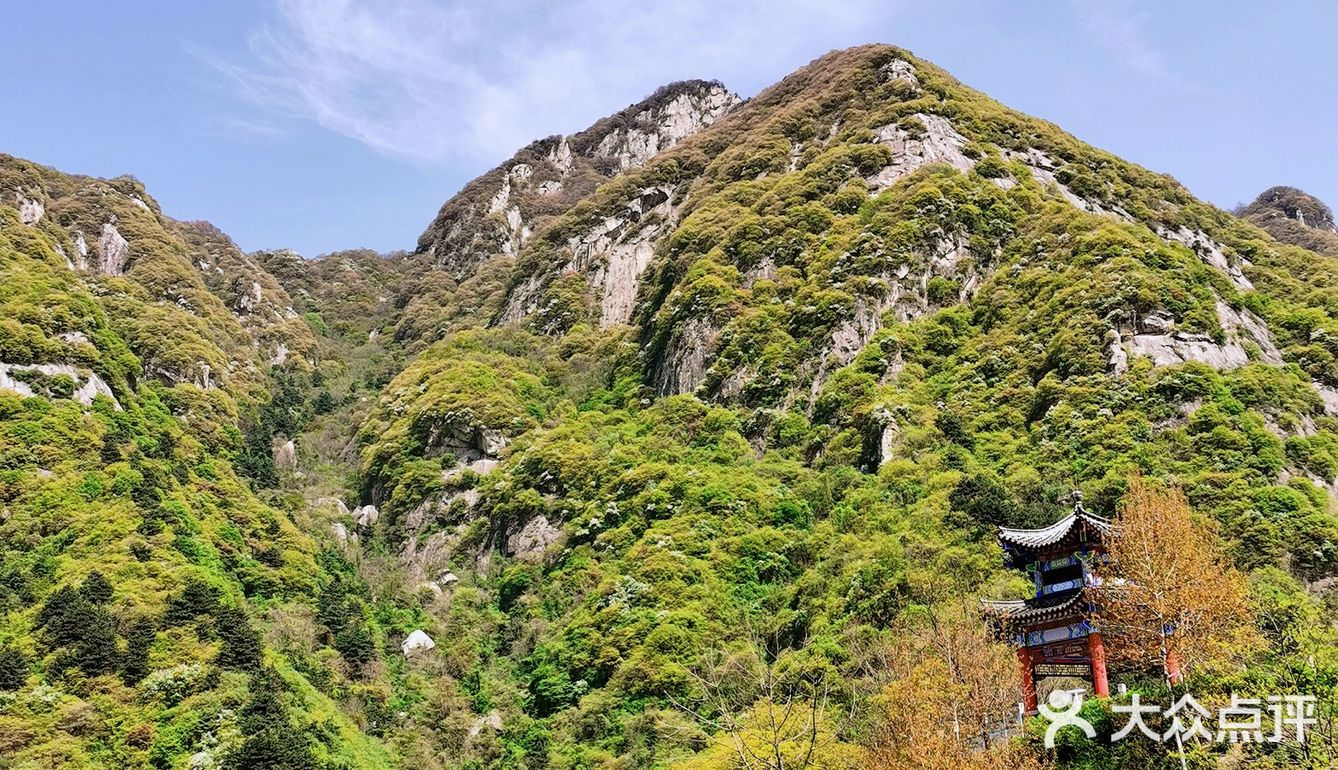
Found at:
[532, 541]
[496, 213]
[1330, 398]
[612, 255]
[1294, 204]
[469, 442]
[1157, 339]
[1296, 217]
[86, 386]
[285, 456]
[80, 260]
[113, 250]
[30, 210]
[1209, 251]
[418, 641]
[366, 516]
[923, 140]
[659, 127]
[492, 720]
[683, 366]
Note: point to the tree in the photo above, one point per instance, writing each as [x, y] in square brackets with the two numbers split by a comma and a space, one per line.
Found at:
[271, 741]
[136, 663]
[239, 646]
[781, 715]
[72, 620]
[1169, 598]
[96, 588]
[13, 668]
[947, 690]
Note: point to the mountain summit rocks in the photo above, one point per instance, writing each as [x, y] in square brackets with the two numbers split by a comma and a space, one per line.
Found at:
[498, 212]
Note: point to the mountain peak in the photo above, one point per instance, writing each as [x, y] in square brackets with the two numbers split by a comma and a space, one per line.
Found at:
[1294, 216]
[1294, 204]
[497, 212]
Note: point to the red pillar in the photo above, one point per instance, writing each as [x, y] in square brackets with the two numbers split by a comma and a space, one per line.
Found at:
[1173, 674]
[1024, 659]
[1096, 650]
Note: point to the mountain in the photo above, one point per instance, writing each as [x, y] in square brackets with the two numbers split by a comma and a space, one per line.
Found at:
[663, 429]
[136, 558]
[1295, 217]
[496, 213]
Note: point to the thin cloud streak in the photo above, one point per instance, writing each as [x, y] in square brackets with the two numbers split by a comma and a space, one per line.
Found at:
[1120, 30]
[432, 81]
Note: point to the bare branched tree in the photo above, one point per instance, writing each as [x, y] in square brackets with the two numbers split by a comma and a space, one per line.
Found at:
[1169, 598]
[771, 714]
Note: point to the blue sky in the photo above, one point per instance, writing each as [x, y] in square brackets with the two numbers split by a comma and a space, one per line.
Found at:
[326, 124]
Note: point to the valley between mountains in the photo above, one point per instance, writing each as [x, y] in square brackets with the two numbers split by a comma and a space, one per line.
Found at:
[716, 385]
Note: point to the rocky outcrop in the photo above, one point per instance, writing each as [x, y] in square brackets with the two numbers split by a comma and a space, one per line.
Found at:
[1155, 336]
[497, 213]
[366, 516]
[916, 142]
[415, 642]
[683, 366]
[113, 250]
[87, 385]
[285, 455]
[1211, 252]
[1329, 396]
[1294, 216]
[467, 441]
[30, 209]
[659, 127]
[1293, 204]
[612, 255]
[531, 542]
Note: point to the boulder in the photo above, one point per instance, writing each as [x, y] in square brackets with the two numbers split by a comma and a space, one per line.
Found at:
[416, 642]
[285, 456]
[366, 516]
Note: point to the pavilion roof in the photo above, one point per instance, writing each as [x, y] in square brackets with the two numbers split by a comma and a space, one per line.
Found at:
[1029, 612]
[1079, 526]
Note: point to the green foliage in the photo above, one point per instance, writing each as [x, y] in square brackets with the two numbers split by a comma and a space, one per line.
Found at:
[13, 668]
[271, 740]
[239, 643]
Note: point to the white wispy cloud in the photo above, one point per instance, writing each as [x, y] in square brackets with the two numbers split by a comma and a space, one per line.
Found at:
[436, 80]
[1121, 30]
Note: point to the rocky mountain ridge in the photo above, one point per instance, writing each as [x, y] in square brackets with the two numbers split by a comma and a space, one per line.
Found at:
[710, 379]
[1296, 217]
[497, 213]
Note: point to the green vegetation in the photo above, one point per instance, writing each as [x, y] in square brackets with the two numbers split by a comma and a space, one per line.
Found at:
[774, 489]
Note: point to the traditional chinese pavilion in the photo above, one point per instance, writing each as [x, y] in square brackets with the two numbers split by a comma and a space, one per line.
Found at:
[1053, 630]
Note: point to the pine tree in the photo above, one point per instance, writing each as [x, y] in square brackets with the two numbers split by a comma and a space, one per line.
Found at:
[96, 588]
[13, 668]
[271, 742]
[240, 646]
[138, 642]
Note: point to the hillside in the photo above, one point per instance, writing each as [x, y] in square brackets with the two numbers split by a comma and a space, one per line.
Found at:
[1295, 217]
[137, 562]
[776, 386]
[713, 386]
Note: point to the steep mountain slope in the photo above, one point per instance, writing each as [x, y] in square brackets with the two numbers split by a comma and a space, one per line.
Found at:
[774, 387]
[496, 213]
[135, 562]
[453, 279]
[1293, 216]
[709, 387]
